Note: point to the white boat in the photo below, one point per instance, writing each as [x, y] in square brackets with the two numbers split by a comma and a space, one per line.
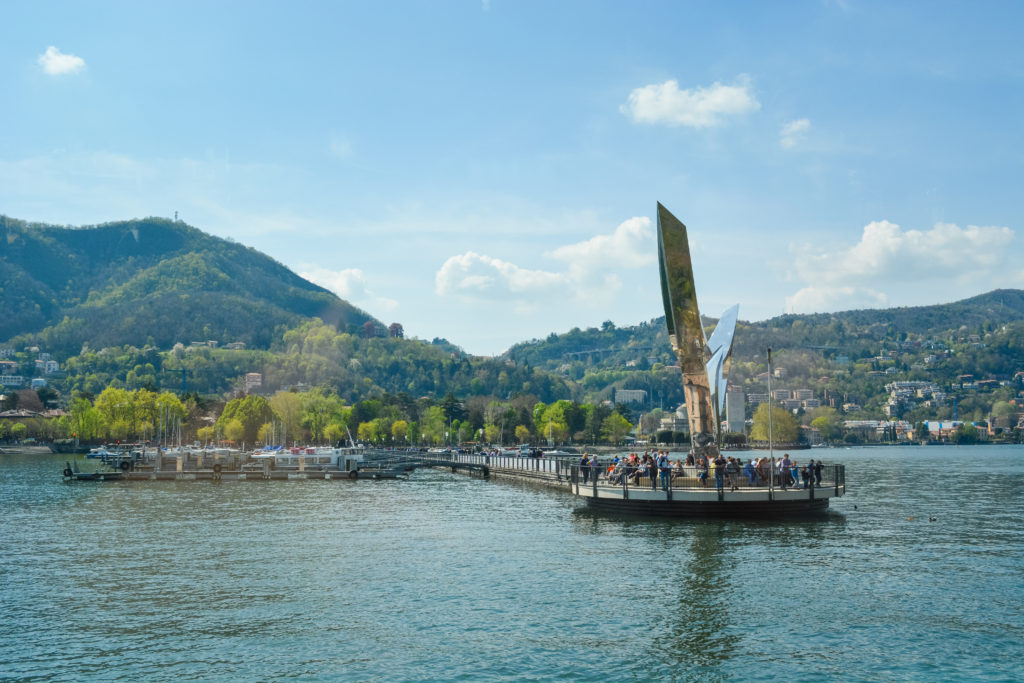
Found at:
[343, 459]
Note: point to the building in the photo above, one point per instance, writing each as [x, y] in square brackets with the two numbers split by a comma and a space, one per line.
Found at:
[735, 412]
[253, 380]
[12, 380]
[372, 328]
[943, 429]
[677, 421]
[630, 396]
[47, 367]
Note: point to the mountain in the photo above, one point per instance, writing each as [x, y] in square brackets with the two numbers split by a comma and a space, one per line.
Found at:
[152, 281]
[843, 332]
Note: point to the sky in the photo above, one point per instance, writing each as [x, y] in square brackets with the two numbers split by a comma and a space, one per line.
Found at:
[488, 171]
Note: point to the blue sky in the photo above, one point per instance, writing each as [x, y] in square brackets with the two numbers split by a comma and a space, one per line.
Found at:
[487, 171]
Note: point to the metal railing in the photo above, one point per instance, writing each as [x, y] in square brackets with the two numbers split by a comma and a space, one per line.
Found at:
[686, 477]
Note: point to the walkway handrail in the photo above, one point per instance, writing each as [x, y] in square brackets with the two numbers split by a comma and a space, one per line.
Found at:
[680, 478]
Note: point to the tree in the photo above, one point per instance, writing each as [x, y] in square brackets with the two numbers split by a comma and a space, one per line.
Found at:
[368, 431]
[522, 433]
[492, 433]
[18, 430]
[785, 428]
[453, 408]
[117, 409]
[234, 430]
[334, 432]
[921, 431]
[432, 424]
[10, 401]
[85, 421]
[252, 412]
[46, 395]
[287, 406]
[966, 433]
[400, 431]
[318, 410]
[1002, 409]
[828, 423]
[615, 427]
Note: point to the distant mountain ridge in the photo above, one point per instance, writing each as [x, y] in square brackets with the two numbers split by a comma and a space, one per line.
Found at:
[611, 346]
[149, 280]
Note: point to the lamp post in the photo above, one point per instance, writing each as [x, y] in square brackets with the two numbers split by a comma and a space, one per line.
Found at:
[771, 447]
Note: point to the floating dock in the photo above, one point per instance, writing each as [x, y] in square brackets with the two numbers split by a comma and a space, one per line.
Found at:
[683, 494]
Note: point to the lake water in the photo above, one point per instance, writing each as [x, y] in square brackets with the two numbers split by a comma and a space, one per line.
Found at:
[449, 577]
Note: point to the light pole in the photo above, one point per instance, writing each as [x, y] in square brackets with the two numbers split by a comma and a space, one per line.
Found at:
[771, 447]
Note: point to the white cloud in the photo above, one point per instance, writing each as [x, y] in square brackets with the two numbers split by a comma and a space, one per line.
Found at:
[697, 108]
[888, 263]
[56, 63]
[818, 298]
[793, 132]
[478, 276]
[350, 285]
[592, 265]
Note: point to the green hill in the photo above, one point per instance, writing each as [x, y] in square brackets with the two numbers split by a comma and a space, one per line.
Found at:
[842, 333]
[150, 281]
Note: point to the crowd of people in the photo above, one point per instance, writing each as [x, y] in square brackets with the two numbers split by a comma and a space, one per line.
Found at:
[656, 467]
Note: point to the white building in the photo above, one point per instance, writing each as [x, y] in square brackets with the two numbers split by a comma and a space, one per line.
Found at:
[630, 395]
[735, 412]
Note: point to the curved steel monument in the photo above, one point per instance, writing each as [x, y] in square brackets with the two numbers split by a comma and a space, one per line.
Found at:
[704, 363]
[683, 491]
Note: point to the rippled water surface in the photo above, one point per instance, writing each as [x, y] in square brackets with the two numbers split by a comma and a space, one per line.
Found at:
[444, 576]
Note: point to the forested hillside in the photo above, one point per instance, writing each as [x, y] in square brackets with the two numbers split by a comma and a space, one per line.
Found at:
[150, 281]
[122, 305]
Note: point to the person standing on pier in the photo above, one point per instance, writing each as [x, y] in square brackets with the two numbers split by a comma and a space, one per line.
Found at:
[595, 468]
[585, 468]
[665, 469]
[720, 472]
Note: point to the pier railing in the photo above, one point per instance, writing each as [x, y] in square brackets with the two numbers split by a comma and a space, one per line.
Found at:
[694, 478]
[677, 478]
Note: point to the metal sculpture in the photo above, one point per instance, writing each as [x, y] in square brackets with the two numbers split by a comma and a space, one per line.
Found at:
[703, 363]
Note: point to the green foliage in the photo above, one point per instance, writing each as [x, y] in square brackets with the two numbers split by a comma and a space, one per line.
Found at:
[614, 428]
[18, 430]
[784, 427]
[118, 283]
[91, 295]
[829, 423]
[251, 413]
[964, 434]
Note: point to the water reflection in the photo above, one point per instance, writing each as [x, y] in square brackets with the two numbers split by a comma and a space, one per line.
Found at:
[696, 633]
